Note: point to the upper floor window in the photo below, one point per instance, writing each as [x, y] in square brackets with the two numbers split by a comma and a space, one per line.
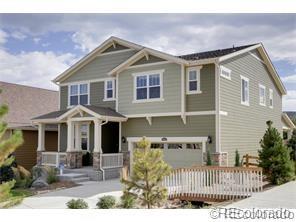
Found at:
[262, 95]
[225, 72]
[245, 98]
[109, 89]
[78, 94]
[270, 98]
[148, 86]
[193, 80]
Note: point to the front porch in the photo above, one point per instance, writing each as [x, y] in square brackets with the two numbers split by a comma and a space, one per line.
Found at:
[89, 136]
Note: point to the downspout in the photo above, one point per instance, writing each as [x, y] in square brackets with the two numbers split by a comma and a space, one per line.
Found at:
[101, 158]
[183, 97]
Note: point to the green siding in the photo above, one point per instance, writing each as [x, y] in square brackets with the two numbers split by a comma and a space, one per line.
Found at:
[171, 91]
[244, 126]
[63, 97]
[151, 59]
[117, 48]
[63, 137]
[197, 126]
[97, 95]
[99, 67]
[204, 101]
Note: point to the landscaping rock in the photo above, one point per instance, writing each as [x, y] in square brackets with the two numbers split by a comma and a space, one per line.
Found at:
[39, 183]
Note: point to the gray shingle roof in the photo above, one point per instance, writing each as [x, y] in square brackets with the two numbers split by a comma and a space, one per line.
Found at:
[103, 111]
[25, 102]
[213, 53]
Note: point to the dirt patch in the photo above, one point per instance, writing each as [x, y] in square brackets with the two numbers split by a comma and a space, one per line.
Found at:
[55, 186]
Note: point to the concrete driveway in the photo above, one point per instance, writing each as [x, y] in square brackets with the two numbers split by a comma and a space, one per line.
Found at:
[89, 191]
[283, 196]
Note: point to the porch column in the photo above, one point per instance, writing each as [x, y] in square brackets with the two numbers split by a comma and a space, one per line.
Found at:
[97, 144]
[41, 147]
[70, 136]
[74, 157]
[77, 137]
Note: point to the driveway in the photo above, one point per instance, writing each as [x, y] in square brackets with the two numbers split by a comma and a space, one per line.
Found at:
[89, 191]
[283, 196]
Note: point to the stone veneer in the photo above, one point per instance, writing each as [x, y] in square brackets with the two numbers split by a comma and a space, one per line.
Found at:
[126, 159]
[39, 158]
[96, 161]
[74, 160]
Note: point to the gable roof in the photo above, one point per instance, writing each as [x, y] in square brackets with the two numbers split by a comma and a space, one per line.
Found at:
[25, 102]
[287, 121]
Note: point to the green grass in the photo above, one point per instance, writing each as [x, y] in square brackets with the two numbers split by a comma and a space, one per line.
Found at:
[21, 193]
[17, 196]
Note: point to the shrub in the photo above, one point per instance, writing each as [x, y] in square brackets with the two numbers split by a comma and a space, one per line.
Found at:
[237, 159]
[77, 204]
[6, 174]
[274, 157]
[52, 176]
[292, 145]
[106, 202]
[128, 200]
[209, 158]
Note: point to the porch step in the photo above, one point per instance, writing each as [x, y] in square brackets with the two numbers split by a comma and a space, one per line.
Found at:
[75, 177]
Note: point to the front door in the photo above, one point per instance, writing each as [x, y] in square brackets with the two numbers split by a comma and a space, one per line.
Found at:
[84, 143]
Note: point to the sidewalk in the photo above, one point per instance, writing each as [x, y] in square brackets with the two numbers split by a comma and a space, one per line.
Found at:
[283, 196]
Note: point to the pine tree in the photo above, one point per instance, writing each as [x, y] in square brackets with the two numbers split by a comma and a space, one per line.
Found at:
[292, 145]
[7, 147]
[148, 171]
[274, 157]
[237, 159]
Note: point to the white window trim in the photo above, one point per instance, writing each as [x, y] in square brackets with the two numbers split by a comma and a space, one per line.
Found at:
[197, 69]
[88, 145]
[262, 87]
[271, 93]
[113, 90]
[147, 73]
[246, 103]
[222, 68]
[78, 94]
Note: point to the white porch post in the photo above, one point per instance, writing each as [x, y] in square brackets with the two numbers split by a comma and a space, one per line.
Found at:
[41, 136]
[98, 136]
[70, 136]
[119, 148]
[77, 137]
[203, 152]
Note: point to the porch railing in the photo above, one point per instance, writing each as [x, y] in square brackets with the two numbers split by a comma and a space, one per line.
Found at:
[53, 158]
[111, 160]
[213, 183]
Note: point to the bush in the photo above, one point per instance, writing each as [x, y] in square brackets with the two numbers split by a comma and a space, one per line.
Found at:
[209, 158]
[6, 174]
[77, 204]
[106, 202]
[23, 183]
[52, 176]
[237, 159]
[128, 201]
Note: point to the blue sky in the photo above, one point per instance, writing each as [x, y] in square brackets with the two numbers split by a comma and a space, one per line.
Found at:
[35, 48]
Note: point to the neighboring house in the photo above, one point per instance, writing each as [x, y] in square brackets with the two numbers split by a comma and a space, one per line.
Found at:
[217, 100]
[288, 124]
[24, 103]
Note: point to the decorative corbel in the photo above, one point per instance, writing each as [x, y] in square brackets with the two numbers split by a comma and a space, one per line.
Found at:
[149, 119]
[183, 117]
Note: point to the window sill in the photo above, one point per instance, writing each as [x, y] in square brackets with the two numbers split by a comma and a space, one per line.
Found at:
[71, 106]
[108, 100]
[245, 104]
[226, 77]
[148, 100]
[262, 104]
[271, 107]
[193, 92]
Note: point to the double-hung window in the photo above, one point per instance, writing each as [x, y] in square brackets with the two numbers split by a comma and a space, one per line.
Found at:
[245, 98]
[225, 72]
[262, 95]
[193, 80]
[148, 86]
[270, 98]
[78, 94]
[109, 89]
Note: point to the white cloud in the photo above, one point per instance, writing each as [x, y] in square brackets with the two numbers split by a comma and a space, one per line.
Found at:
[18, 35]
[289, 79]
[3, 37]
[289, 101]
[34, 68]
[36, 40]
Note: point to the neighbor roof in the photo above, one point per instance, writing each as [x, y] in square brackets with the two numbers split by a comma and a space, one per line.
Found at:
[288, 121]
[25, 102]
[213, 53]
[291, 114]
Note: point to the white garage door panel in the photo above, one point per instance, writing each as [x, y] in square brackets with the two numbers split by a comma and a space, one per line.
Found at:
[182, 157]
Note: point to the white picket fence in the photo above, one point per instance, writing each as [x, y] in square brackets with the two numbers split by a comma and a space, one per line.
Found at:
[111, 160]
[53, 158]
[213, 183]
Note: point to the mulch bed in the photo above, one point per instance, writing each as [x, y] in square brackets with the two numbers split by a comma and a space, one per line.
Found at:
[55, 186]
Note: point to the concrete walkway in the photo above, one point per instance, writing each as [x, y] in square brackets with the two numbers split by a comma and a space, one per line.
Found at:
[283, 196]
[89, 191]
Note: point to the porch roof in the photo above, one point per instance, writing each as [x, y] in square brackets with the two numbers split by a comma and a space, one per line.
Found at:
[96, 111]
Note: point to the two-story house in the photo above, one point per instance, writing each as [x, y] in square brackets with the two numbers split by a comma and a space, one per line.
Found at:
[216, 101]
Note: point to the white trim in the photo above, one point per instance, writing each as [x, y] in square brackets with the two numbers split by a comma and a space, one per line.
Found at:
[264, 98]
[183, 96]
[78, 93]
[256, 57]
[223, 68]
[196, 113]
[86, 81]
[113, 90]
[200, 113]
[197, 69]
[114, 52]
[147, 74]
[223, 113]
[170, 139]
[246, 103]
[88, 135]
[149, 119]
[116, 92]
[217, 107]
[231, 55]
[288, 121]
[149, 64]
[119, 146]
[271, 97]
